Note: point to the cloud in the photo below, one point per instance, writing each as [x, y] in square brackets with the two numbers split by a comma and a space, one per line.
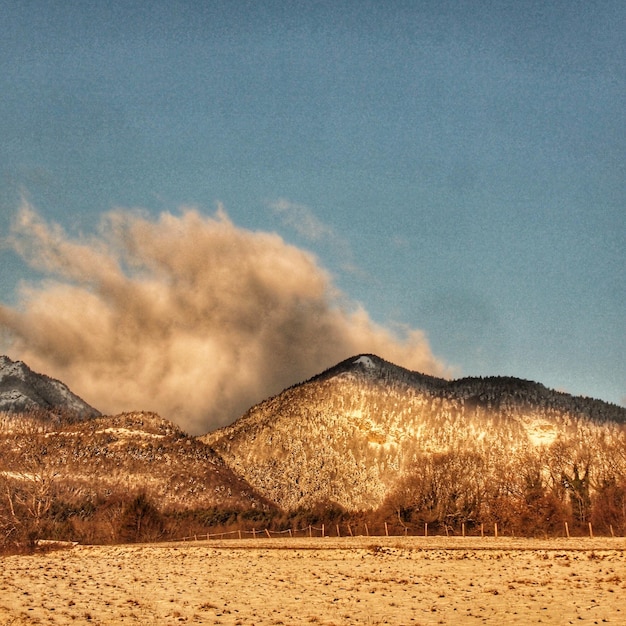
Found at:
[302, 220]
[187, 315]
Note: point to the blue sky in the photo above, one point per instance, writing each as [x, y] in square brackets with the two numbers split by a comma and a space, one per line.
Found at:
[458, 168]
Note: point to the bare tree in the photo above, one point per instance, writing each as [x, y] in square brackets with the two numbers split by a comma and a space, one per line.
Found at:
[28, 480]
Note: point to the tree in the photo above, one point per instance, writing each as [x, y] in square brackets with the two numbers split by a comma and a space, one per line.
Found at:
[141, 521]
[28, 483]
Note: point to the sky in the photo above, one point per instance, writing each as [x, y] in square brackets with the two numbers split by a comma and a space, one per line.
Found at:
[202, 203]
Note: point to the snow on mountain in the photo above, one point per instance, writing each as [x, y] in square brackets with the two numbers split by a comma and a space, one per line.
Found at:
[366, 361]
[22, 390]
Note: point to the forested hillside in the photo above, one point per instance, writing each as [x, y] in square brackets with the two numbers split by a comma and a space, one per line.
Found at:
[368, 435]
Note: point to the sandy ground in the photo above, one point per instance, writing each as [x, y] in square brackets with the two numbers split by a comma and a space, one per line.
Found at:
[322, 581]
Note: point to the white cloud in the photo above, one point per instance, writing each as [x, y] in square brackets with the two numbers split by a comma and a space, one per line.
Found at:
[302, 220]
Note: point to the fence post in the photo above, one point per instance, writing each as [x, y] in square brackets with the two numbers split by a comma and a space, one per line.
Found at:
[254, 533]
[566, 530]
[611, 528]
[425, 529]
[482, 530]
[386, 530]
[310, 533]
[495, 530]
[463, 529]
[323, 530]
[350, 530]
[268, 533]
[367, 530]
[290, 533]
[239, 531]
[338, 533]
[590, 531]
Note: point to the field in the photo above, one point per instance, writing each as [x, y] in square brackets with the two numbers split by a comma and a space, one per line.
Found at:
[323, 581]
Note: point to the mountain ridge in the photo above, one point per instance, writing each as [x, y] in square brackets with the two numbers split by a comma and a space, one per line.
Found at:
[126, 477]
[373, 363]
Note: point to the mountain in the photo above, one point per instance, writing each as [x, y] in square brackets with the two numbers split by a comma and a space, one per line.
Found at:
[67, 471]
[129, 477]
[130, 452]
[365, 439]
[22, 390]
[367, 434]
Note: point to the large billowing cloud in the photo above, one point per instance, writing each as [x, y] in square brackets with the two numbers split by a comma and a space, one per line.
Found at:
[186, 315]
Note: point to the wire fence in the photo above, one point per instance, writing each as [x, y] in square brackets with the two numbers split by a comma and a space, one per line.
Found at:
[308, 531]
[361, 531]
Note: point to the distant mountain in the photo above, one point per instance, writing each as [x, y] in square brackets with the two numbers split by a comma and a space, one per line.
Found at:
[22, 390]
[367, 433]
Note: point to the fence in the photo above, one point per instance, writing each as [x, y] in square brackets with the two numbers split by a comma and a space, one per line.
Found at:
[348, 531]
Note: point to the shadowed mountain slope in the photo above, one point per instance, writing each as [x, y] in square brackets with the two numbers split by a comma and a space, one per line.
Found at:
[23, 390]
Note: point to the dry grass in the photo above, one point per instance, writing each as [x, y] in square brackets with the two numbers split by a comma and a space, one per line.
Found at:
[357, 580]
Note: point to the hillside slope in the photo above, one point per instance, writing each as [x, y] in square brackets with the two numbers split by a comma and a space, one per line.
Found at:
[366, 432]
[85, 462]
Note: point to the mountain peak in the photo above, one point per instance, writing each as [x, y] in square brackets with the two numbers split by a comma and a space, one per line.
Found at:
[7, 366]
[360, 363]
[372, 368]
[23, 391]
